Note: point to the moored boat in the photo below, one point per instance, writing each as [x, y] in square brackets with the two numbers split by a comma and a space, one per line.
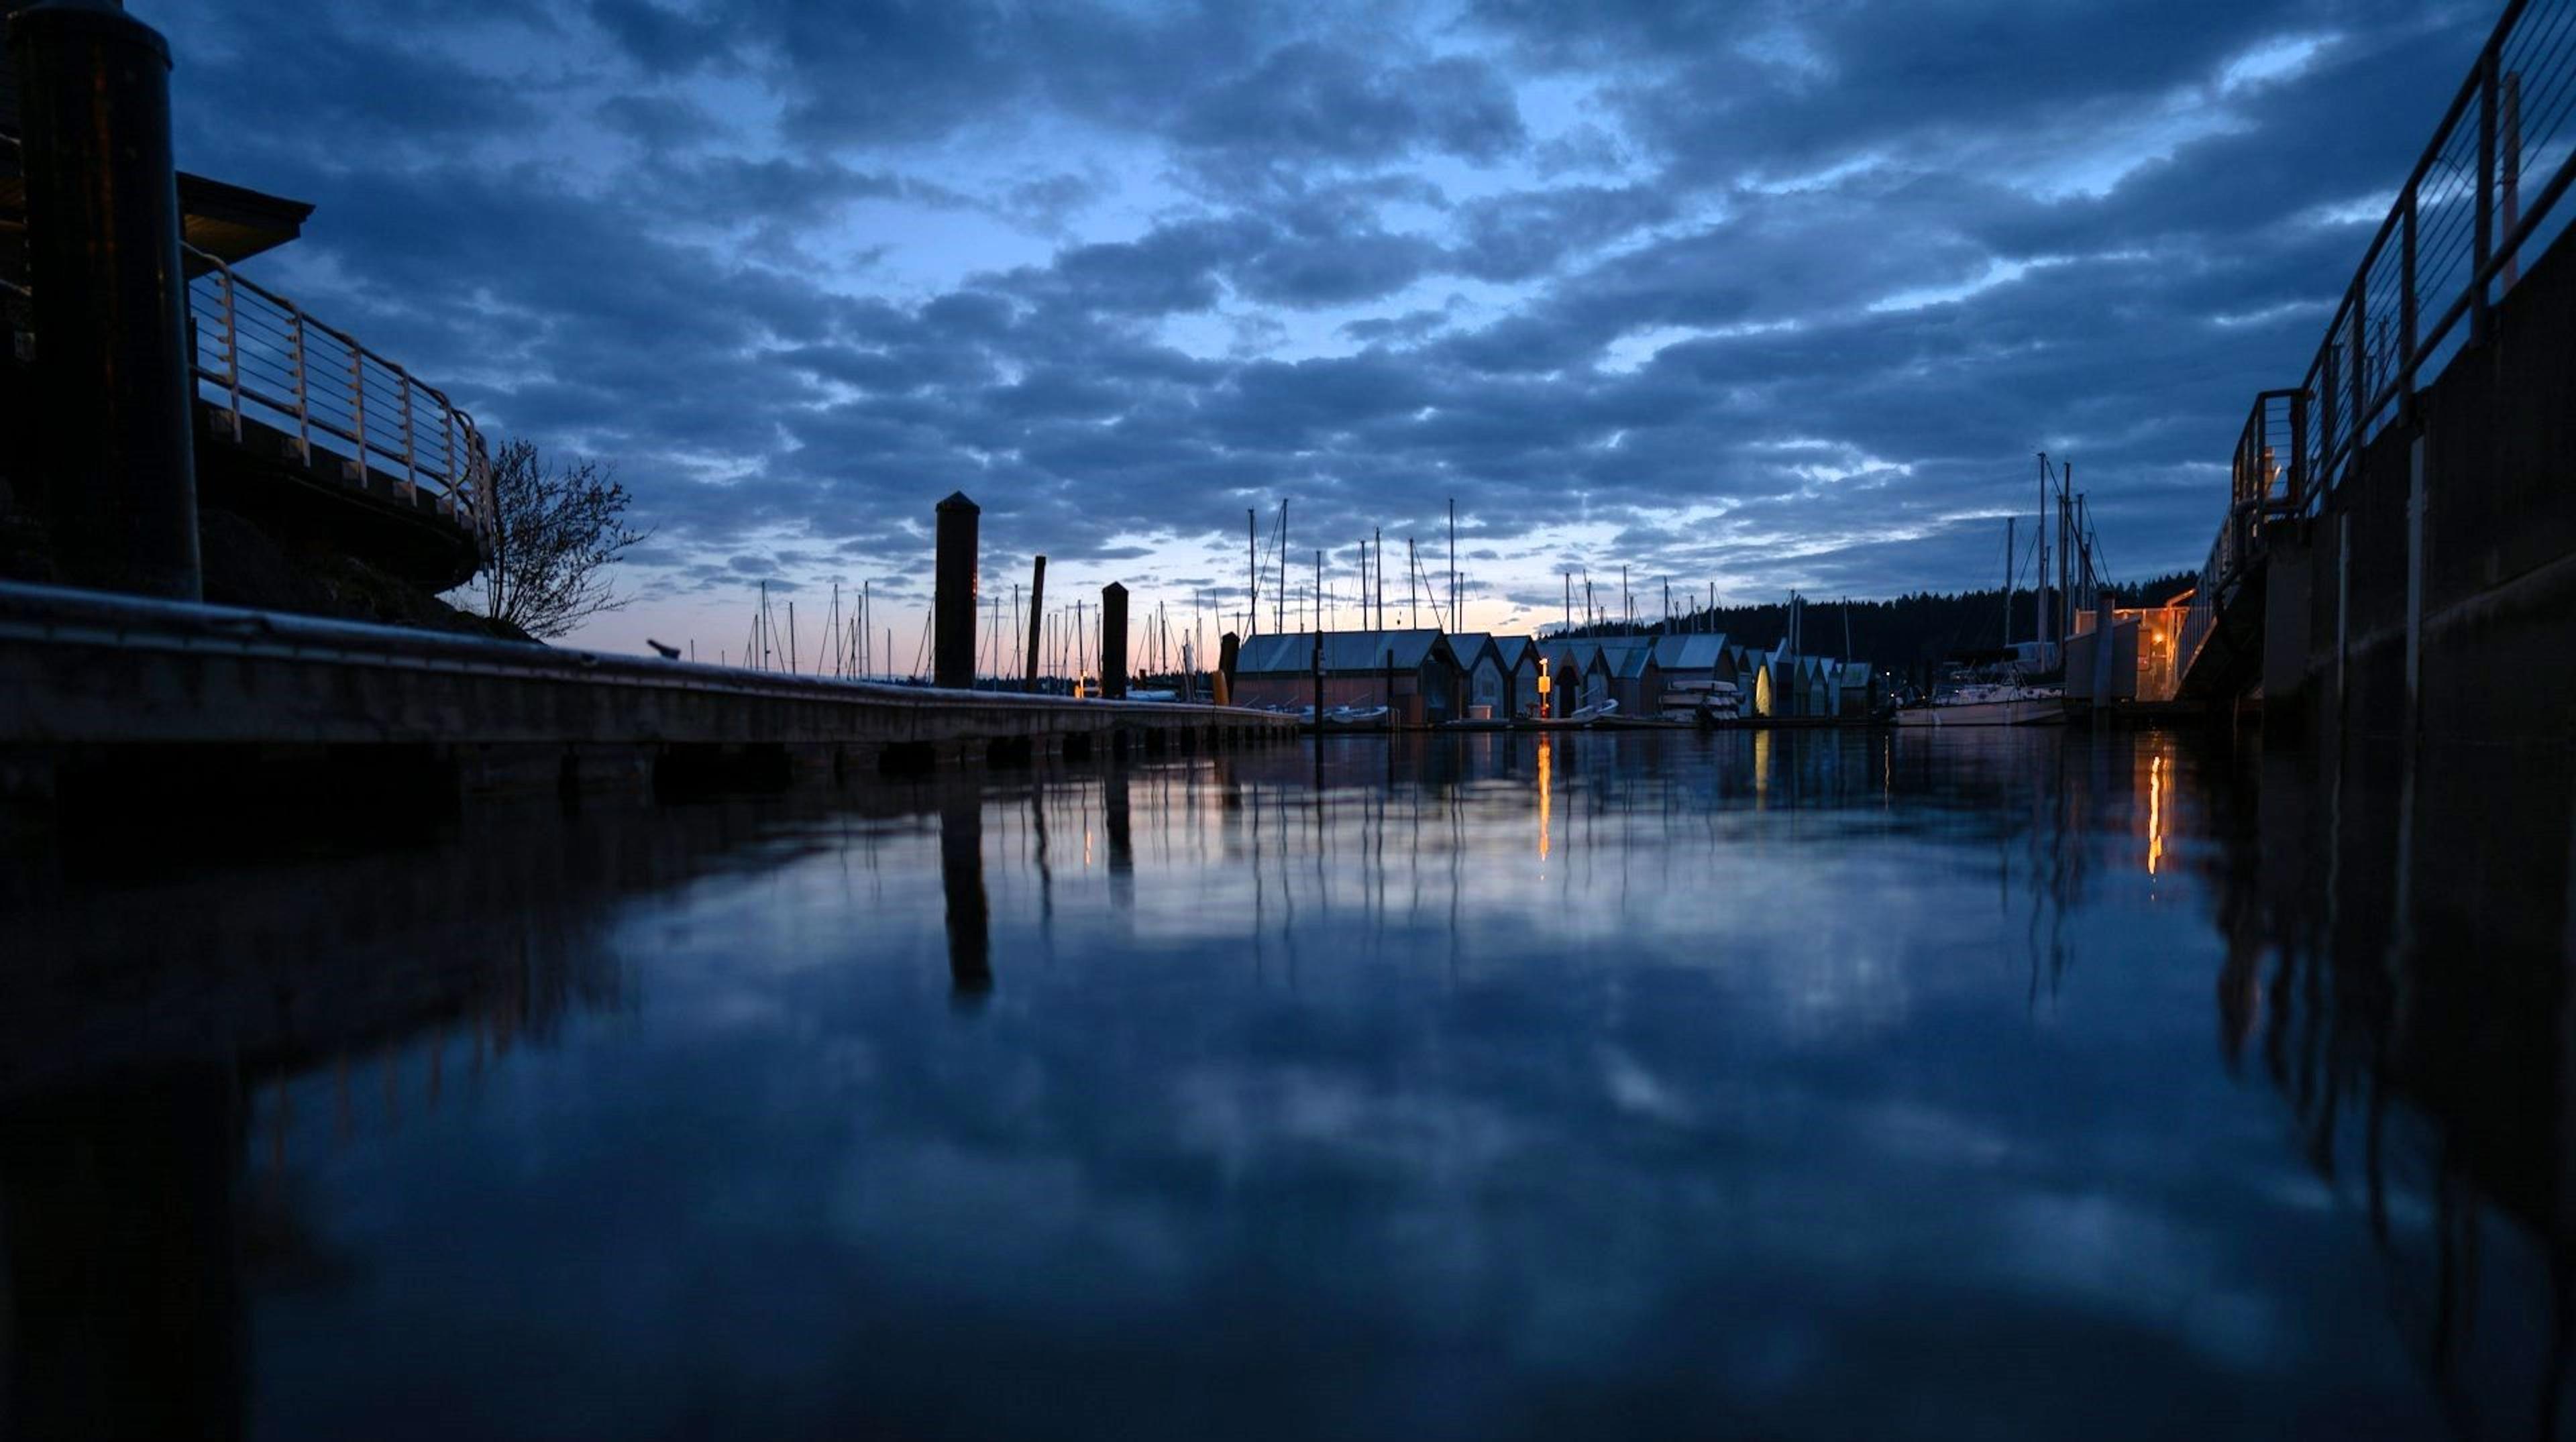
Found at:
[1988, 703]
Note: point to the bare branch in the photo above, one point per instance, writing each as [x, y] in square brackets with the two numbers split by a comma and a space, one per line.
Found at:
[562, 526]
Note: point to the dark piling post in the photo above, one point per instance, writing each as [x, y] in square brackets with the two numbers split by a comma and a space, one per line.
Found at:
[1037, 622]
[2105, 651]
[1113, 641]
[953, 622]
[114, 454]
[1229, 647]
[1116, 810]
[1319, 683]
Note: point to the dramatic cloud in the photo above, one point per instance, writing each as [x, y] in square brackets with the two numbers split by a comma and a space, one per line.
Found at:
[1754, 294]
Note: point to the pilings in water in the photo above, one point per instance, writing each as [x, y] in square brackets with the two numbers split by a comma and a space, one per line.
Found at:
[114, 457]
[1229, 647]
[954, 599]
[1113, 642]
[1037, 621]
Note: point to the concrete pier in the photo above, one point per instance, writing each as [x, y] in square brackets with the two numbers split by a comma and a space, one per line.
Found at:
[2434, 592]
[93, 684]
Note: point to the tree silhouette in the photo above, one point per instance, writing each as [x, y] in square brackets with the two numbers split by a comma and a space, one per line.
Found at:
[562, 525]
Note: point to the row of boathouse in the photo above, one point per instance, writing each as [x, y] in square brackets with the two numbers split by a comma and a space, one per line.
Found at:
[1428, 677]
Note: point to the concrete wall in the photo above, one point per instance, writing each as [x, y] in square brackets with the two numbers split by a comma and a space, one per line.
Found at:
[2437, 588]
[97, 685]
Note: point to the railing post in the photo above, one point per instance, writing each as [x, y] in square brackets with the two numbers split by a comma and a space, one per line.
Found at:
[2407, 318]
[303, 408]
[2328, 397]
[2482, 246]
[487, 499]
[2509, 180]
[232, 345]
[358, 403]
[411, 470]
[2360, 369]
[2299, 450]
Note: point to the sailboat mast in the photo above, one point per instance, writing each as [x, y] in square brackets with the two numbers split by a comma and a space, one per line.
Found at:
[1279, 603]
[2039, 574]
[2012, 573]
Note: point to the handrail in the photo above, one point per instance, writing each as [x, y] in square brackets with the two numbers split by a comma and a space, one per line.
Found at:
[2512, 112]
[259, 356]
[2453, 238]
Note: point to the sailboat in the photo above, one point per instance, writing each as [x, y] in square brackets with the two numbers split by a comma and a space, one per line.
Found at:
[1998, 688]
[1962, 701]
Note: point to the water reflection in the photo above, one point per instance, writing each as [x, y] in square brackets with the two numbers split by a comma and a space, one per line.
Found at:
[2399, 930]
[961, 884]
[1795, 1084]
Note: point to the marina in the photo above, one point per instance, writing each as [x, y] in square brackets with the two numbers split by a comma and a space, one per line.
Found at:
[922, 907]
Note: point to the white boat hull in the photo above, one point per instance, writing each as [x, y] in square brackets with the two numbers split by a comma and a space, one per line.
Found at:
[2046, 711]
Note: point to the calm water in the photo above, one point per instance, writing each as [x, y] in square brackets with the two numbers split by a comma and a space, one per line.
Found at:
[1795, 1086]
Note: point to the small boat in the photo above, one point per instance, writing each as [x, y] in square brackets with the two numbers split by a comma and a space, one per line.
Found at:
[1988, 703]
[1355, 718]
[1705, 703]
[1576, 720]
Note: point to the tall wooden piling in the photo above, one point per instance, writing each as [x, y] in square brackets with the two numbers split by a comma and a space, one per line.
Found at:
[953, 623]
[114, 451]
[1113, 641]
[1037, 622]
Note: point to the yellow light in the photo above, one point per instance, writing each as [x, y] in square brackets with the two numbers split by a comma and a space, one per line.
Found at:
[2155, 814]
[1546, 784]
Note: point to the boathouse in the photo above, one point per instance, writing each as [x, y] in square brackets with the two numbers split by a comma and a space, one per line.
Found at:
[1581, 675]
[1636, 682]
[1697, 657]
[1517, 656]
[1413, 673]
[1486, 683]
[2143, 653]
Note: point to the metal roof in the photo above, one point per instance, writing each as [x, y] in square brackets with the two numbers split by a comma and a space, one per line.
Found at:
[1630, 663]
[1697, 651]
[1470, 647]
[1575, 655]
[1292, 653]
[1513, 651]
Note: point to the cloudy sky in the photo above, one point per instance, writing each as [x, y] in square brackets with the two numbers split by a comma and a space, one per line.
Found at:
[1753, 295]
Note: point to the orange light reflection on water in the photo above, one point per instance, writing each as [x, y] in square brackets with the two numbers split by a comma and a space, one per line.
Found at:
[2155, 814]
[1546, 784]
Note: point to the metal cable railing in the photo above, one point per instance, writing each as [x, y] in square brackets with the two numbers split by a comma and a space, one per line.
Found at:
[2454, 243]
[2481, 201]
[260, 358]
